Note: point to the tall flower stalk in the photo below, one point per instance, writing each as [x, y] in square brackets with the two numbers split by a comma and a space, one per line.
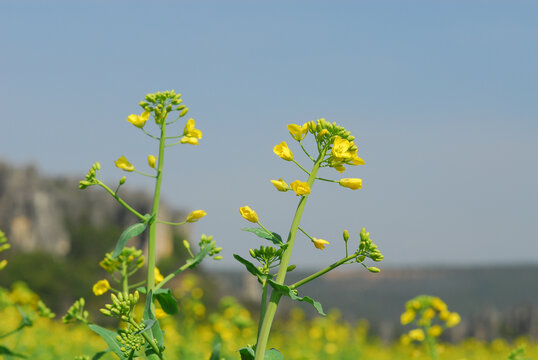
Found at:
[144, 337]
[335, 149]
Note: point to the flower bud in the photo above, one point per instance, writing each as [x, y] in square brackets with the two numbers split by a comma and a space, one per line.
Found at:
[373, 269]
[249, 214]
[186, 244]
[252, 253]
[291, 268]
[184, 112]
[346, 235]
[123, 180]
[196, 215]
[218, 257]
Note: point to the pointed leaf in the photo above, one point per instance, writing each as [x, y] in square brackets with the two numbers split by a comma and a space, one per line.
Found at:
[251, 268]
[271, 236]
[192, 262]
[110, 338]
[147, 325]
[149, 315]
[273, 354]
[215, 354]
[247, 353]
[128, 234]
[167, 300]
[99, 355]
[5, 351]
[285, 290]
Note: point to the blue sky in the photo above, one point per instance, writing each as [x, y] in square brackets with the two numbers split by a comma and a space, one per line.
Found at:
[442, 97]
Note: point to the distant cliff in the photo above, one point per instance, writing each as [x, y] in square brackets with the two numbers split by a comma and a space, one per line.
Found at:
[39, 213]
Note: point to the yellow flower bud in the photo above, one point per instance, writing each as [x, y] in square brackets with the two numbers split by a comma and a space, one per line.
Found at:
[357, 161]
[353, 184]
[280, 185]
[196, 215]
[453, 319]
[189, 140]
[101, 287]
[340, 168]
[320, 243]
[444, 314]
[407, 317]
[124, 164]
[248, 214]
[417, 334]
[186, 244]
[158, 276]
[439, 304]
[300, 187]
[322, 133]
[152, 160]
[283, 151]
[435, 331]
[298, 132]
[429, 314]
[138, 120]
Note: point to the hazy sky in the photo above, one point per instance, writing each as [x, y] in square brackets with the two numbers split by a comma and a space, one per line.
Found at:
[442, 97]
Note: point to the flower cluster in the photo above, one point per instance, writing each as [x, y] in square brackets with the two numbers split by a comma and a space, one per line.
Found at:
[160, 104]
[431, 316]
[91, 177]
[122, 305]
[131, 257]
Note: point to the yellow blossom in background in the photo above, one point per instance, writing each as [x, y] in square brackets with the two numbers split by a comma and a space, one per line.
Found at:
[124, 164]
[435, 330]
[152, 160]
[407, 317]
[417, 334]
[320, 243]
[353, 184]
[300, 187]
[159, 313]
[101, 287]
[439, 304]
[283, 151]
[298, 132]
[158, 276]
[429, 314]
[138, 120]
[453, 319]
[3, 264]
[280, 185]
[248, 214]
[196, 215]
[444, 314]
[405, 339]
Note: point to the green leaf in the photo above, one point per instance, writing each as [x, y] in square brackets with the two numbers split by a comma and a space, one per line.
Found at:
[247, 353]
[26, 321]
[215, 354]
[147, 325]
[99, 355]
[271, 236]
[192, 262]
[149, 315]
[285, 290]
[273, 354]
[251, 268]
[5, 351]
[110, 338]
[167, 300]
[128, 234]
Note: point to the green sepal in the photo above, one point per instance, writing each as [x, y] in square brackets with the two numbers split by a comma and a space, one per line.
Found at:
[149, 315]
[192, 262]
[110, 338]
[247, 353]
[5, 351]
[128, 234]
[271, 236]
[286, 290]
[251, 268]
[273, 354]
[167, 300]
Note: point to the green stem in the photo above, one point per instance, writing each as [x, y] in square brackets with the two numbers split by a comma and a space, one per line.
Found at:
[263, 304]
[125, 279]
[302, 168]
[142, 173]
[321, 272]
[263, 335]
[19, 328]
[120, 200]
[171, 223]
[269, 232]
[329, 180]
[431, 344]
[306, 152]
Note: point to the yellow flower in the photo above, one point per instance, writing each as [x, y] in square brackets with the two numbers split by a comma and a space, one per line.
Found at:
[439, 304]
[417, 334]
[405, 339]
[248, 214]
[283, 151]
[138, 120]
[322, 133]
[444, 314]
[189, 140]
[298, 132]
[453, 319]
[196, 215]
[353, 184]
[158, 276]
[159, 313]
[341, 148]
[124, 164]
[280, 185]
[429, 314]
[320, 243]
[435, 330]
[190, 131]
[101, 287]
[407, 317]
[300, 187]
[152, 160]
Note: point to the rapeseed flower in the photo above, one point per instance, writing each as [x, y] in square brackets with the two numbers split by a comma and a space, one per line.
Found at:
[353, 184]
[407, 317]
[320, 243]
[435, 330]
[152, 160]
[158, 276]
[124, 164]
[138, 120]
[101, 287]
[248, 214]
[191, 135]
[298, 132]
[280, 185]
[196, 215]
[300, 187]
[417, 334]
[453, 319]
[283, 151]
